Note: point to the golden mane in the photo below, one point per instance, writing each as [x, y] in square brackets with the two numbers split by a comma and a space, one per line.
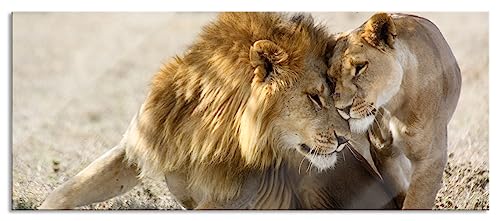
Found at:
[193, 118]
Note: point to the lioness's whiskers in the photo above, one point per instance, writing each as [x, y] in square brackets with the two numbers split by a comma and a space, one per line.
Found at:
[378, 124]
[387, 116]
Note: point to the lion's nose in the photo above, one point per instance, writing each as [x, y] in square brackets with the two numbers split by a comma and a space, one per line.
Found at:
[341, 140]
[344, 112]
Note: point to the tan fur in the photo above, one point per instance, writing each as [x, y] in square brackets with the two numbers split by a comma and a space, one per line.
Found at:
[227, 123]
[401, 64]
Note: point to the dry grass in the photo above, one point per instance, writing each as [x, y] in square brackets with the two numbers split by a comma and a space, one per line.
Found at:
[78, 78]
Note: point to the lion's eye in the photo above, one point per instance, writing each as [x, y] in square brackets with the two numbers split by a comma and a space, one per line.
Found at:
[360, 68]
[316, 100]
[331, 84]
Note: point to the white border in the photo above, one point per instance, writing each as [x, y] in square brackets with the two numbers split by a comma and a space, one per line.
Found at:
[247, 5]
[8, 6]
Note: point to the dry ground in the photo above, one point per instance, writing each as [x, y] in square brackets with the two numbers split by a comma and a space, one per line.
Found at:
[78, 78]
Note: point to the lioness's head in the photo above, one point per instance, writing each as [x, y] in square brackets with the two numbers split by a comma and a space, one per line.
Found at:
[291, 106]
[365, 71]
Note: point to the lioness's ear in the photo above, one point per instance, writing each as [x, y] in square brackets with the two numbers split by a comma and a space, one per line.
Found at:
[330, 46]
[264, 55]
[380, 31]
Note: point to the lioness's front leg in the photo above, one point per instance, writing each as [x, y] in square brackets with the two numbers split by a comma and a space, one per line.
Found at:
[106, 177]
[427, 176]
[389, 159]
[425, 183]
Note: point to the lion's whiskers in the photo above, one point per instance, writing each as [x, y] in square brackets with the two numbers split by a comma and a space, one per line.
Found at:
[355, 142]
[309, 167]
[300, 165]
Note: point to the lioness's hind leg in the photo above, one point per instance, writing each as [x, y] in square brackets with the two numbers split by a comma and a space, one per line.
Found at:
[106, 177]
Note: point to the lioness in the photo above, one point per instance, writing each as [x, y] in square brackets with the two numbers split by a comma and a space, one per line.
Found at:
[230, 122]
[401, 64]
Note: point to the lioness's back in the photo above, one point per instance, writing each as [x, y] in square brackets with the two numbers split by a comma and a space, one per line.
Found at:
[421, 33]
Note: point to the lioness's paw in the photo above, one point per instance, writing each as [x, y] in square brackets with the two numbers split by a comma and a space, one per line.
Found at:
[380, 135]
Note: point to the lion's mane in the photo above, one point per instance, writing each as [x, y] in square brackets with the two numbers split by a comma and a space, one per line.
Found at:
[191, 121]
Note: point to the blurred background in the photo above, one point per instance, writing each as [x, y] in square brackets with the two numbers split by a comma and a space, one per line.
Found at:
[78, 78]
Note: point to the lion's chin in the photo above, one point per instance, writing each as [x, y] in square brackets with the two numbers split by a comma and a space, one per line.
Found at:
[361, 125]
[323, 162]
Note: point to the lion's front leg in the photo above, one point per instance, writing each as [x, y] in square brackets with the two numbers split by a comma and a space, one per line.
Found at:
[106, 177]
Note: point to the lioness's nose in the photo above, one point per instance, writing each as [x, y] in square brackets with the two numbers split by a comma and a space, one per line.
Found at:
[347, 109]
[344, 112]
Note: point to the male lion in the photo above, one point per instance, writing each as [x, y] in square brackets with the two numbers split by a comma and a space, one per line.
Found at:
[401, 65]
[229, 123]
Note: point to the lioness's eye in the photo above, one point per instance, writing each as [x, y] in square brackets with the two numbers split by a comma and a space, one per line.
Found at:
[360, 68]
[315, 99]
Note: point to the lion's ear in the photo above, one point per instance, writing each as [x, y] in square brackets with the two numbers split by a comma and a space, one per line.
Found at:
[380, 31]
[264, 55]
